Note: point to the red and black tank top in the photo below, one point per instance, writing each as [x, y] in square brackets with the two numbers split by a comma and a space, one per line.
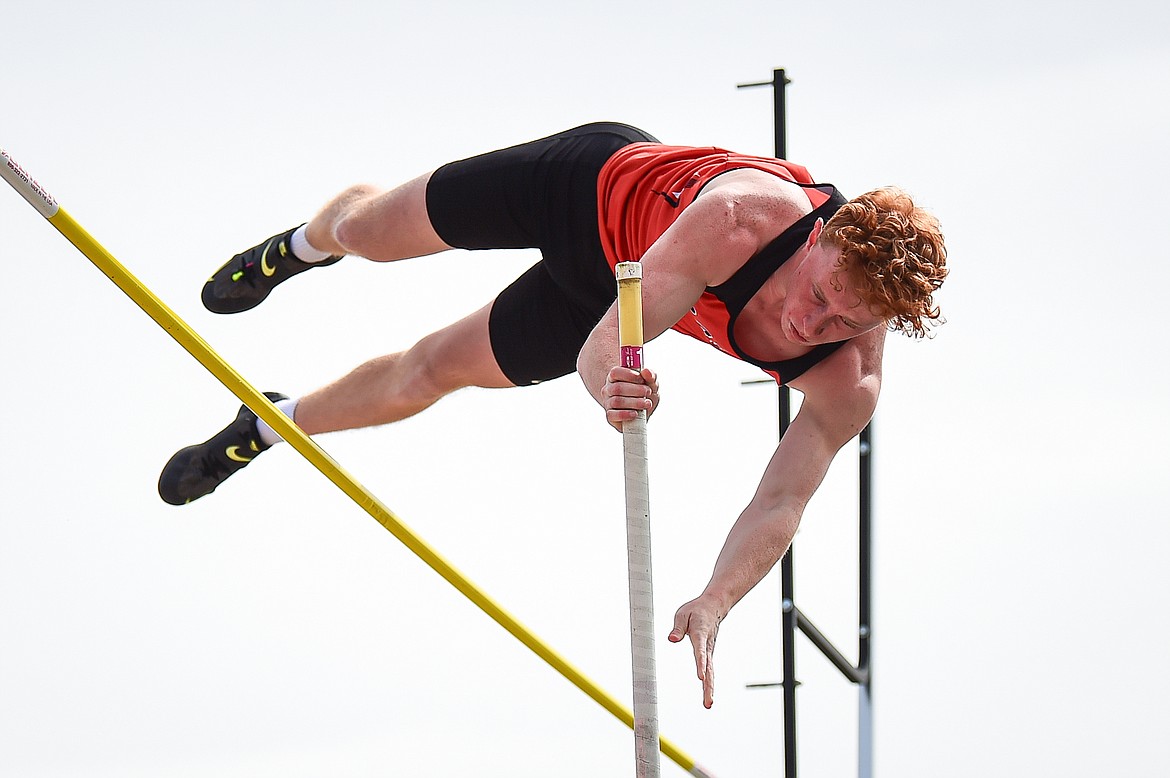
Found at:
[643, 189]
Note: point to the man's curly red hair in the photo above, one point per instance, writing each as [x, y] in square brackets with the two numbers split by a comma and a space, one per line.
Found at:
[894, 254]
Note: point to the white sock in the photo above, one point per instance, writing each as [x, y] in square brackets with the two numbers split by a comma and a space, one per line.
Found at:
[303, 250]
[268, 435]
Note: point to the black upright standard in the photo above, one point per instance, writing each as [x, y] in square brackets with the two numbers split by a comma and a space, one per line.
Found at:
[791, 617]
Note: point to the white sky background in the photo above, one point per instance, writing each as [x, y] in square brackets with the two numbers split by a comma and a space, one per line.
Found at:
[274, 629]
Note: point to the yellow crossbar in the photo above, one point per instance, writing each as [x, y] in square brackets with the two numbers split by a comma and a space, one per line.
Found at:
[36, 196]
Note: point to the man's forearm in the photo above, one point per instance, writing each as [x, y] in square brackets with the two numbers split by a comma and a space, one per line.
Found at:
[756, 542]
[598, 355]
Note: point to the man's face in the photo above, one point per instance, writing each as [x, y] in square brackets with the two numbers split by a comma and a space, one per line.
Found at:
[820, 305]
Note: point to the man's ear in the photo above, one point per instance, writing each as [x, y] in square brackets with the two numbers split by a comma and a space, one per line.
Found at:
[815, 232]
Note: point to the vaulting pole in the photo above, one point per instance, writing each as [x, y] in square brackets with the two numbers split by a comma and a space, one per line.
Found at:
[629, 280]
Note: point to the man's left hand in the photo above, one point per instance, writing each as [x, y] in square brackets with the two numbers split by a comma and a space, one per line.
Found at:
[700, 619]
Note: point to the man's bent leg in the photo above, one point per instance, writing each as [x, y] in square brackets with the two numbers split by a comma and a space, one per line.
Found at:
[381, 391]
[362, 220]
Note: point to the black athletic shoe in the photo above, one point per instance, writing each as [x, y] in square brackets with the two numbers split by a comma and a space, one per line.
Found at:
[197, 470]
[247, 278]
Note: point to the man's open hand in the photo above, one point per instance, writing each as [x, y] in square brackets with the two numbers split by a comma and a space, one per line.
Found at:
[700, 620]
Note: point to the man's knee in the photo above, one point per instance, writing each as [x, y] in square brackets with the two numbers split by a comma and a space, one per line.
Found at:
[355, 229]
[434, 373]
[410, 378]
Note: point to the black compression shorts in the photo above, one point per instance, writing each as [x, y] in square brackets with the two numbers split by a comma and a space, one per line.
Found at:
[541, 195]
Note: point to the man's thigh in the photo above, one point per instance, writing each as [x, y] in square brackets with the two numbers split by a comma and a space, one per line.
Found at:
[537, 330]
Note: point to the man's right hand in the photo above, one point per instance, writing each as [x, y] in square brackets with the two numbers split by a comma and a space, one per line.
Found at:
[628, 391]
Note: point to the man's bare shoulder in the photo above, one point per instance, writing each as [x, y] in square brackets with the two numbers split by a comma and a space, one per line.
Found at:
[851, 375]
[766, 202]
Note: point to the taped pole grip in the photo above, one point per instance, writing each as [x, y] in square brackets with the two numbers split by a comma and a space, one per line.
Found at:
[630, 333]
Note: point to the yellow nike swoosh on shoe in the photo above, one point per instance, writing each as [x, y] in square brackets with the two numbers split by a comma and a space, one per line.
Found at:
[233, 453]
[266, 268]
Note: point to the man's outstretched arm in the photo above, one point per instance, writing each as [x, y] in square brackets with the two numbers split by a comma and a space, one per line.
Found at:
[839, 401]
